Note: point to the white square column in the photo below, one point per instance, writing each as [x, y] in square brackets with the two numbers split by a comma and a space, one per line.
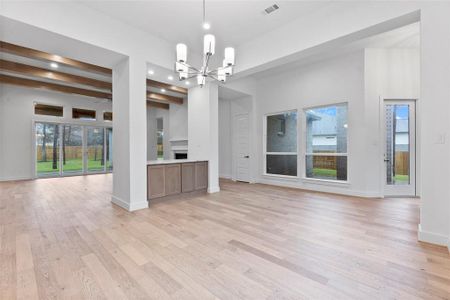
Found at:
[130, 134]
[203, 129]
[433, 113]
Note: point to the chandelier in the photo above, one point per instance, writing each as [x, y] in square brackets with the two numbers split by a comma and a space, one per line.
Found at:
[186, 71]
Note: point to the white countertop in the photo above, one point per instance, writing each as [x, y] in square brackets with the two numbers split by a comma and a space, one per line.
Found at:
[172, 161]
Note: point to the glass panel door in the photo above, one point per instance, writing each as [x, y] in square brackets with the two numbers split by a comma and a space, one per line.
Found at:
[72, 149]
[160, 138]
[399, 154]
[47, 149]
[95, 154]
[109, 152]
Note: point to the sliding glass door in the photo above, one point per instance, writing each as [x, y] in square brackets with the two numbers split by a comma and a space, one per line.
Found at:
[95, 152]
[109, 153]
[47, 149]
[66, 149]
[72, 149]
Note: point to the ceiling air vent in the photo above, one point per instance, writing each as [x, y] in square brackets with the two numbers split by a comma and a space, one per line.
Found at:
[271, 9]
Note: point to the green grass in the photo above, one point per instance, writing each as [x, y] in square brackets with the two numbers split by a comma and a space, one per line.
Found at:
[401, 178]
[70, 166]
[328, 173]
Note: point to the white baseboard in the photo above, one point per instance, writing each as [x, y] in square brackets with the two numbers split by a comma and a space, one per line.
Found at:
[225, 176]
[15, 178]
[213, 189]
[433, 238]
[322, 187]
[130, 207]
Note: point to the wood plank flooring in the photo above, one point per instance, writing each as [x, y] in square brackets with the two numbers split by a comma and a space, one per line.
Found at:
[62, 238]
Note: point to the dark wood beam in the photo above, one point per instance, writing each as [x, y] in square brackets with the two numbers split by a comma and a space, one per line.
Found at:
[41, 55]
[54, 75]
[53, 87]
[166, 86]
[158, 104]
[164, 98]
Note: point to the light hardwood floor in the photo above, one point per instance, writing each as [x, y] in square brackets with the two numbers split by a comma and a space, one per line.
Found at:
[62, 238]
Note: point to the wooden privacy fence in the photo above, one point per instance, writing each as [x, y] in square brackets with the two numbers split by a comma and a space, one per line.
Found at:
[402, 163]
[71, 152]
[325, 162]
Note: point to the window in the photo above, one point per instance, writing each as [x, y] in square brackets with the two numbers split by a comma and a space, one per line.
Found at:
[83, 114]
[326, 142]
[48, 110]
[107, 116]
[281, 144]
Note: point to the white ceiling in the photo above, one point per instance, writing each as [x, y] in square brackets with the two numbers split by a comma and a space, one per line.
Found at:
[406, 37]
[232, 22]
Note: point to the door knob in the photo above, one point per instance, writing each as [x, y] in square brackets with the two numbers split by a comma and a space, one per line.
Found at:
[246, 156]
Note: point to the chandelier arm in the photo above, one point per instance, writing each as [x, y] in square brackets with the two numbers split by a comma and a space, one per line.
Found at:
[205, 68]
[217, 79]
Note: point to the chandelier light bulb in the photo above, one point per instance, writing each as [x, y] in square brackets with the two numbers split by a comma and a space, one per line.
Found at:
[181, 53]
[179, 67]
[228, 71]
[229, 56]
[222, 77]
[209, 44]
[200, 79]
[183, 75]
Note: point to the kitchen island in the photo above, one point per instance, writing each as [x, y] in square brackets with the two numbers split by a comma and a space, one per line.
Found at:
[176, 176]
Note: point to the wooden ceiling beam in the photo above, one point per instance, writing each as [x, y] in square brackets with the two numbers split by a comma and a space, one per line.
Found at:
[158, 104]
[166, 86]
[54, 75]
[164, 98]
[53, 87]
[41, 55]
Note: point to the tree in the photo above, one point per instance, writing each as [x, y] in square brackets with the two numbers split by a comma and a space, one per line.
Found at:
[44, 142]
[55, 147]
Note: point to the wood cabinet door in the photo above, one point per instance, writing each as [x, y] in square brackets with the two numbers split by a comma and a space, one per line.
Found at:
[187, 177]
[155, 181]
[201, 175]
[173, 179]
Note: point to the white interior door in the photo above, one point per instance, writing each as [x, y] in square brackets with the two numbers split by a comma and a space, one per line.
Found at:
[242, 148]
[400, 148]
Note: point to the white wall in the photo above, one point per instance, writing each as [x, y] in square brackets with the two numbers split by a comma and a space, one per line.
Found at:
[179, 120]
[16, 124]
[175, 123]
[225, 165]
[359, 79]
[203, 129]
[389, 74]
[337, 80]
[435, 124]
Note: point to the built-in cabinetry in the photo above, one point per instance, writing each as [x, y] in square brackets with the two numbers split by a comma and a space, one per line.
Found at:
[171, 178]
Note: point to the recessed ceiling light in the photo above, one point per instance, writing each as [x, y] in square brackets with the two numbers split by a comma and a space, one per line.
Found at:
[187, 83]
[170, 77]
[54, 65]
[163, 90]
[206, 25]
[151, 72]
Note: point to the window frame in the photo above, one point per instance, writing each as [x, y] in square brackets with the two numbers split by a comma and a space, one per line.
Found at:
[265, 153]
[304, 146]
